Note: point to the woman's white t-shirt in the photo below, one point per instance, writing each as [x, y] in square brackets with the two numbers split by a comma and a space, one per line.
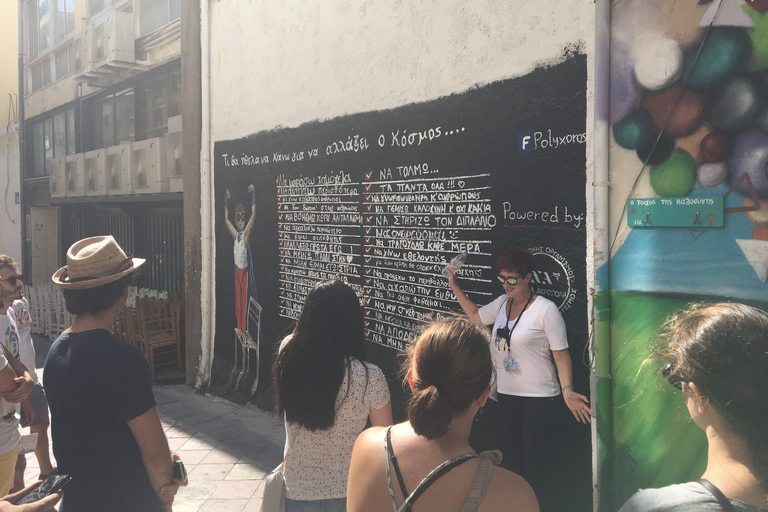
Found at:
[540, 331]
[318, 463]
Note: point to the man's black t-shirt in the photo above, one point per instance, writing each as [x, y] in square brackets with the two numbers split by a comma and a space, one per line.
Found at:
[95, 384]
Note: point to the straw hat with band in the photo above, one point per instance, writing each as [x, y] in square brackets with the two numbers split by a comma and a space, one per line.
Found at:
[93, 262]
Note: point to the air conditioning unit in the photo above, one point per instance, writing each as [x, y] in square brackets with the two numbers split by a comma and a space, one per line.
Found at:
[96, 173]
[56, 177]
[118, 170]
[149, 167]
[173, 150]
[74, 175]
[112, 40]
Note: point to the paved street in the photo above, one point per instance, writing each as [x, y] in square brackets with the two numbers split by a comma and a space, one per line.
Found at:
[226, 448]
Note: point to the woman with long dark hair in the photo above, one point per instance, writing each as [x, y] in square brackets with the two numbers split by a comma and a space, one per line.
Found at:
[427, 462]
[719, 359]
[326, 391]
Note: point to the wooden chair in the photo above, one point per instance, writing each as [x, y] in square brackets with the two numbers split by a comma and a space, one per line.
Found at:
[158, 330]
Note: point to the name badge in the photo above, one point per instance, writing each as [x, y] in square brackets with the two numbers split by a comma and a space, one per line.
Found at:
[510, 364]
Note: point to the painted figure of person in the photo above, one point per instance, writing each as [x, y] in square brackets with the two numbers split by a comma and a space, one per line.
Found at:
[245, 283]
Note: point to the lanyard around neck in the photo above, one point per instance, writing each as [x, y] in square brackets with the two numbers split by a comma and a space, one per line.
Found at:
[509, 345]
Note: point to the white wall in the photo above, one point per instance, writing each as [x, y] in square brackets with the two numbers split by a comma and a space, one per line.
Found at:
[10, 212]
[283, 63]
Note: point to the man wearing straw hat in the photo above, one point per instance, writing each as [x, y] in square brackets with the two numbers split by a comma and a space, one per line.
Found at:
[104, 423]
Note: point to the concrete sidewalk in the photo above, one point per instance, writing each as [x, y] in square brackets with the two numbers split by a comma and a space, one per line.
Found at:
[226, 448]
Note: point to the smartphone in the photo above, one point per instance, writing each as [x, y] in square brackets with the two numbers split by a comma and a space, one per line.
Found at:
[51, 485]
[179, 471]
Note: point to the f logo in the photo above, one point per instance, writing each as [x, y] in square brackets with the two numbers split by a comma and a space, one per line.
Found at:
[525, 143]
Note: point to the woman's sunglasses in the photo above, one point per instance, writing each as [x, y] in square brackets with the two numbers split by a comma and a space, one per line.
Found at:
[673, 378]
[239, 216]
[509, 280]
[13, 280]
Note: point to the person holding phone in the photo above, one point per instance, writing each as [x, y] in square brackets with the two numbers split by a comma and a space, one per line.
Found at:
[533, 371]
[105, 426]
[10, 503]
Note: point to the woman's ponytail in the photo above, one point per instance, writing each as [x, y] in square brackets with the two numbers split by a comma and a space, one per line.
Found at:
[450, 366]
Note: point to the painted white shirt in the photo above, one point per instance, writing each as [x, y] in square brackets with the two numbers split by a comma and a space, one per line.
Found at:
[318, 463]
[540, 331]
[241, 251]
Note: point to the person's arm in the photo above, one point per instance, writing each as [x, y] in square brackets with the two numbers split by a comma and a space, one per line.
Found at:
[469, 307]
[363, 482]
[148, 432]
[576, 402]
[249, 226]
[381, 417]
[7, 379]
[27, 413]
[23, 382]
[230, 227]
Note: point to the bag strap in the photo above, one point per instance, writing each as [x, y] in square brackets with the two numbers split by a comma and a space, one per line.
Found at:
[718, 494]
[281, 467]
[395, 465]
[436, 473]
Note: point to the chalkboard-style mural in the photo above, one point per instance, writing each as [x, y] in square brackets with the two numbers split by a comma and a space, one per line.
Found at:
[688, 114]
[383, 200]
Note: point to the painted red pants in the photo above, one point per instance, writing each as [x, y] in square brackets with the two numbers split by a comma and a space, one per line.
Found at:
[241, 297]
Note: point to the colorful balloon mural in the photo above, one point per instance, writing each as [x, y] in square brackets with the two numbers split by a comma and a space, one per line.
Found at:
[689, 96]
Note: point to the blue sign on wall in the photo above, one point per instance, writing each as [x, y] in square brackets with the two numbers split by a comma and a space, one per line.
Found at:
[698, 212]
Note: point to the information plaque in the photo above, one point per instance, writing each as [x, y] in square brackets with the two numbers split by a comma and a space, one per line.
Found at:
[688, 212]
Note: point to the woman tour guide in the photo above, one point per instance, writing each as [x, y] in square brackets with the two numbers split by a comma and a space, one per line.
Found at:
[533, 368]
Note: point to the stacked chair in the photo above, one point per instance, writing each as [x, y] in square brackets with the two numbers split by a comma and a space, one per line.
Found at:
[152, 320]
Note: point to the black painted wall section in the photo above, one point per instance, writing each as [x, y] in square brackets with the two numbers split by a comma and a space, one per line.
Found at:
[384, 199]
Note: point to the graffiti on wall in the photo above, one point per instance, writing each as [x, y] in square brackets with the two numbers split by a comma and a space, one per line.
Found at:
[689, 118]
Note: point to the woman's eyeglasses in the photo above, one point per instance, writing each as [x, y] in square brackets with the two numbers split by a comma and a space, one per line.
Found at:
[509, 280]
[13, 280]
[673, 378]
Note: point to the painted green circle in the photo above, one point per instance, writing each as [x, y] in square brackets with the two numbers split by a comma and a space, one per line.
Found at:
[718, 58]
[676, 177]
[634, 130]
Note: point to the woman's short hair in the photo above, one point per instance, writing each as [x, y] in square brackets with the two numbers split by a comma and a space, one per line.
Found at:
[94, 300]
[723, 349]
[516, 260]
[451, 367]
[309, 369]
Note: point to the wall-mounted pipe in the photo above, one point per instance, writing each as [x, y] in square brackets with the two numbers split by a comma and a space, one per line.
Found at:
[601, 386]
[207, 285]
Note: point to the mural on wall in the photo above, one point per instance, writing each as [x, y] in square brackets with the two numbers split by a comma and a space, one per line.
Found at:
[689, 118]
[384, 199]
[246, 303]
